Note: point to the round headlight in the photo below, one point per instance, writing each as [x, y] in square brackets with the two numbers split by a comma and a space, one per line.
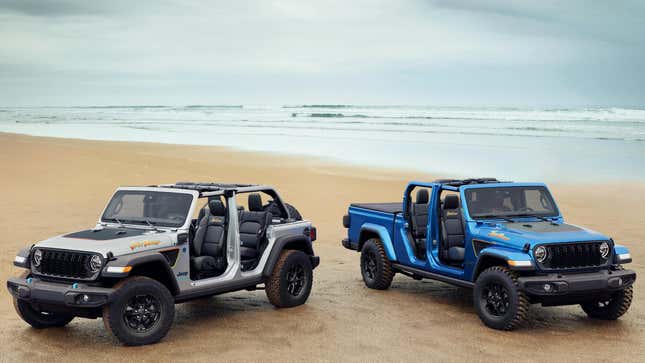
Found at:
[37, 257]
[604, 250]
[95, 263]
[540, 254]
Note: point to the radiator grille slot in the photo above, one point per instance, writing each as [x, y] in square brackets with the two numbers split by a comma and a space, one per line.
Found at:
[65, 264]
[574, 255]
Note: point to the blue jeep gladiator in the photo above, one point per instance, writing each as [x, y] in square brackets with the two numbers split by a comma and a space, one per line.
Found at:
[508, 241]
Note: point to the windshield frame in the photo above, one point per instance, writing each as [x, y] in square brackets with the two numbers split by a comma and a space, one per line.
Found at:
[556, 215]
[187, 221]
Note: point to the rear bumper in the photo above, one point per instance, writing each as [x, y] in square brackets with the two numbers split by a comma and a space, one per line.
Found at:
[315, 261]
[37, 291]
[347, 244]
[582, 284]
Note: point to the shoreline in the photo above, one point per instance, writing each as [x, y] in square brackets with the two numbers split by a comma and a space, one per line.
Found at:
[329, 162]
[382, 172]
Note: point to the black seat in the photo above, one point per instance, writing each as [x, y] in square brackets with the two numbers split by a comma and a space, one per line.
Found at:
[204, 211]
[452, 230]
[253, 225]
[210, 238]
[420, 220]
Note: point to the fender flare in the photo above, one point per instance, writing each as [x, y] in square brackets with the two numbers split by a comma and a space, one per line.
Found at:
[502, 254]
[302, 243]
[384, 236]
[134, 261]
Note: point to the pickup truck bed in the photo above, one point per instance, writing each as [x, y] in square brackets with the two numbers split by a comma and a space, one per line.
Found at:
[381, 207]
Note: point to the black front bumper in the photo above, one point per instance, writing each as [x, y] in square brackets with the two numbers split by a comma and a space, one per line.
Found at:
[70, 294]
[588, 284]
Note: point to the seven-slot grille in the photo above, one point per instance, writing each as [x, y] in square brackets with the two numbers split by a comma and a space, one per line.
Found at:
[65, 264]
[574, 255]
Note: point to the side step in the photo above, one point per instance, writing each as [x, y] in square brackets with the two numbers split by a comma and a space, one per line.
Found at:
[433, 276]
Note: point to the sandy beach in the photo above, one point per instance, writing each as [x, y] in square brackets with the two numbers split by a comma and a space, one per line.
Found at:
[52, 186]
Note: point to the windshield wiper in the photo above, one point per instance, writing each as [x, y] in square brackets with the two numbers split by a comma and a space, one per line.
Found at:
[118, 221]
[494, 216]
[542, 218]
[151, 224]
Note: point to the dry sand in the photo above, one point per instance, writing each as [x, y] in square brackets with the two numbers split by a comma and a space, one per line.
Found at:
[52, 186]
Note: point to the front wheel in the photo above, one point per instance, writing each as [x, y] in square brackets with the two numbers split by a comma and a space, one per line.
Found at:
[376, 268]
[141, 312]
[611, 308]
[498, 300]
[291, 280]
[40, 319]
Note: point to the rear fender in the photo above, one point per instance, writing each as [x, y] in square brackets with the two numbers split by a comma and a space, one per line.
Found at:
[297, 242]
[383, 235]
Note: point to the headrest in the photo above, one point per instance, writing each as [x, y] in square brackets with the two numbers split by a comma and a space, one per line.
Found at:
[422, 196]
[451, 202]
[216, 207]
[255, 203]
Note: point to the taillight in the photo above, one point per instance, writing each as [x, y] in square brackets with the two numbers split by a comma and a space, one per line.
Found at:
[313, 233]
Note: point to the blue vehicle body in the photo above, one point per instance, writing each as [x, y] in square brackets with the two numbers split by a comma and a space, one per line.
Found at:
[487, 242]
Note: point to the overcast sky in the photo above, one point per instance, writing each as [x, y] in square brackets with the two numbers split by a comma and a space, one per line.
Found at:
[451, 52]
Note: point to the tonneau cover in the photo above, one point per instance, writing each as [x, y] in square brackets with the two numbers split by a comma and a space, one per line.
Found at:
[381, 207]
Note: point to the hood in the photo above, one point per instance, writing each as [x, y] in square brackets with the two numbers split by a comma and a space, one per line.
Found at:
[519, 233]
[119, 241]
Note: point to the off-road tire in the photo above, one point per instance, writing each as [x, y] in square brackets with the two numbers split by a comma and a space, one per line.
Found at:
[132, 288]
[380, 275]
[515, 302]
[39, 319]
[281, 287]
[612, 309]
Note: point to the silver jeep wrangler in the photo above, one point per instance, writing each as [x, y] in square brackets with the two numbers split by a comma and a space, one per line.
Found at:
[147, 253]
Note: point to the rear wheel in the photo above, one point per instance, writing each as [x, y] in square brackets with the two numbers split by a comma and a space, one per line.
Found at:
[376, 268]
[141, 312]
[611, 308]
[291, 280]
[40, 319]
[498, 300]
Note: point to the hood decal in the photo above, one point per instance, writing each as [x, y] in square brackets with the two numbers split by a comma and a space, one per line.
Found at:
[541, 227]
[499, 235]
[142, 244]
[106, 234]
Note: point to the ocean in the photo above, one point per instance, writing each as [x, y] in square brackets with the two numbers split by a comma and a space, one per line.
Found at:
[523, 144]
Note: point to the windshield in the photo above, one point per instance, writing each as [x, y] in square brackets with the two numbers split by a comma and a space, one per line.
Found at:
[163, 209]
[520, 201]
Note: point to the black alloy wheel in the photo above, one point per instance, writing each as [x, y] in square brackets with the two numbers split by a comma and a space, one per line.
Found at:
[495, 299]
[295, 279]
[141, 313]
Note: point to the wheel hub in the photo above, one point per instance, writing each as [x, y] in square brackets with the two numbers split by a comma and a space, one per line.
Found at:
[496, 298]
[370, 265]
[142, 312]
[295, 280]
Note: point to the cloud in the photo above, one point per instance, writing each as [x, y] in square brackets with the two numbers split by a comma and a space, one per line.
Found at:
[53, 8]
[372, 51]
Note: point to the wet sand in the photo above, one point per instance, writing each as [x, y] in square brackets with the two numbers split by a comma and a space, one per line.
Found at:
[52, 186]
